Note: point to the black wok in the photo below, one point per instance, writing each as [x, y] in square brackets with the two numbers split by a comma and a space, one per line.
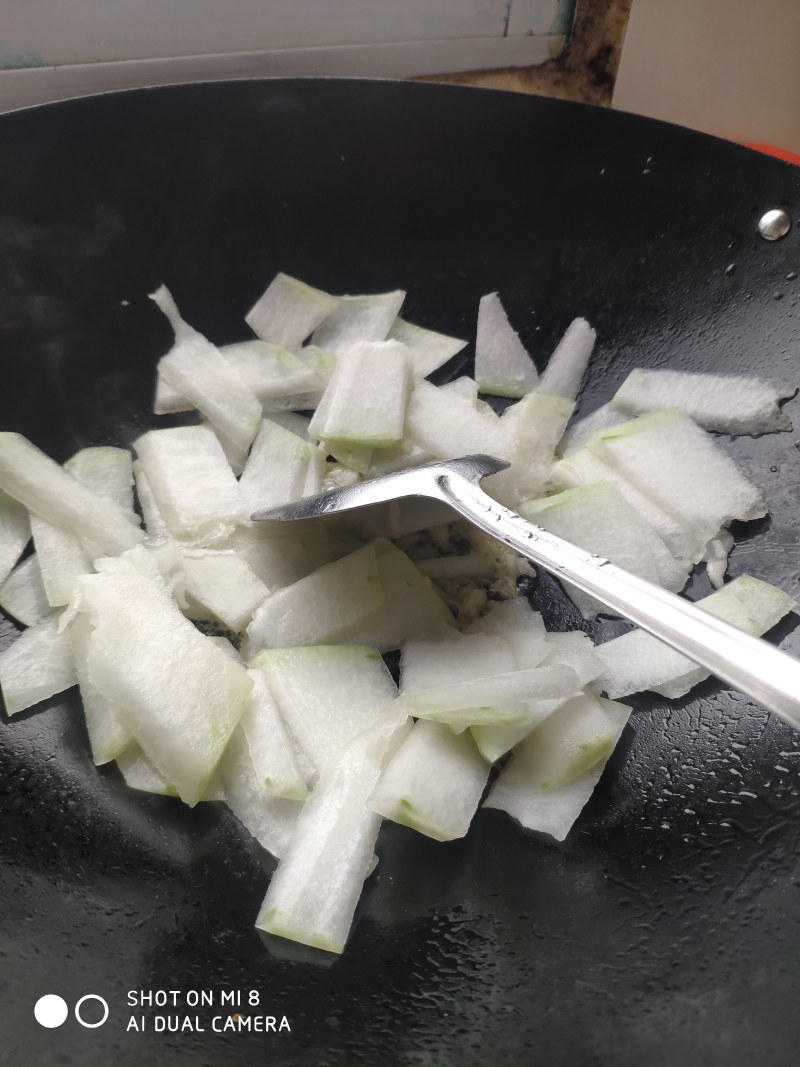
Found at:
[666, 931]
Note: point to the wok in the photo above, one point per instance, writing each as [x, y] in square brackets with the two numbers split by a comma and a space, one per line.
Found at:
[665, 930]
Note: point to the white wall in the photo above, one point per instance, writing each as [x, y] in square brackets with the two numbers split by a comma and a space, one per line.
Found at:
[52, 49]
[728, 67]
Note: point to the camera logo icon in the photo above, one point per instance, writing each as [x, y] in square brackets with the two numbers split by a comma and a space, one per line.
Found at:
[52, 1010]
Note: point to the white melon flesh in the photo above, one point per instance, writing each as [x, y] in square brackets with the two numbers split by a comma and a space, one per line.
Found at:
[598, 518]
[726, 403]
[224, 584]
[365, 401]
[358, 318]
[637, 661]
[107, 472]
[151, 515]
[715, 557]
[22, 594]
[236, 456]
[446, 425]
[516, 698]
[429, 350]
[48, 491]
[15, 532]
[532, 428]
[272, 751]
[39, 664]
[583, 467]
[139, 773]
[319, 362]
[519, 790]
[178, 694]
[680, 467]
[502, 364]
[453, 658]
[322, 608]
[62, 560]
[313, 894]
[411, 604]
[326, 694]
[270, 371]
[565, 369]
[573, 739]
[191, 481]
[577, 435]
[433, 783]
[288, 311]
[108, 734]
[196, 369]
[282, 467]
[519, 626]
[282, 553]
[270, 819]
[572, 649]
[354, 456]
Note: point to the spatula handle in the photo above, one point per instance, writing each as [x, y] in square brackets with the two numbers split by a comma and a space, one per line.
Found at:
[748, 663]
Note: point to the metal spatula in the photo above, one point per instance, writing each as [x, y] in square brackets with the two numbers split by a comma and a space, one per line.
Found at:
[756, 668]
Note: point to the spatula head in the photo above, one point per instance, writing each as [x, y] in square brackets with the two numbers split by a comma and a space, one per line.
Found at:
[417, 481]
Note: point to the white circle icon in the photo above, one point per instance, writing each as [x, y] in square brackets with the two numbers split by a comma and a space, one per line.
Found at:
[91, 996]
[50, 1011]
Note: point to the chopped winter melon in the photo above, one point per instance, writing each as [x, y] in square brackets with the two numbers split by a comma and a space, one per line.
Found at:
[429, 350]
[62, 560]
[15, 532]
[716, 555]
[519, 626]
[139, 772]
[224, 584]
[411, 605]
[108, 735]
[566, 367]
[283, 553]
[178, 694]
[358, 318]
[433, 783]
[270, 819]
[326, 694]
[572, 649]
[502, 365]
[48, 491]
[532, 428]
[36, 666]
[519, 789]
[679, 466]
[454, 658]
[365, 401]
[107, 472]
[270, 371]
[516, 698]
[598, 518]
[322, 608]
[727, 403]
[446, 425]
[313, 893]
[193, 486]
[578, 433]
[22, 594]
[274, 756]
[573, 739]
[583, 467]
[196, 370]
[637, 660]
[289, 311]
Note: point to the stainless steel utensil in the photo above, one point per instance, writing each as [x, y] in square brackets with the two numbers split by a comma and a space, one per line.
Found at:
[748, 663]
